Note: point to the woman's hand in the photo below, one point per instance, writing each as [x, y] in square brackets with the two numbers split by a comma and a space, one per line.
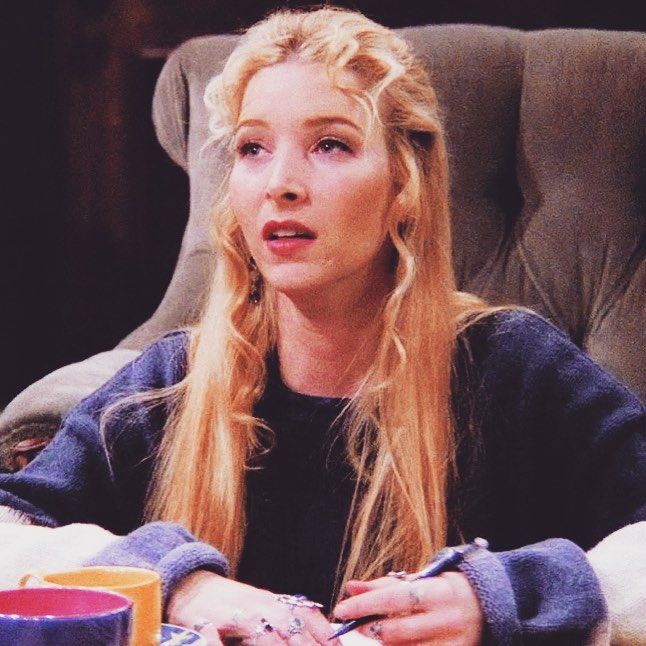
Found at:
[221, 608]
[437, 610]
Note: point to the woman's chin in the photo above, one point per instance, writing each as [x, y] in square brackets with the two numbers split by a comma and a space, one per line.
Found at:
[294, 281]
[324, 287]
[296, 289]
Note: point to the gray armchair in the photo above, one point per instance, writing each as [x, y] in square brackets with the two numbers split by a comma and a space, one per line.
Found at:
[547, 142]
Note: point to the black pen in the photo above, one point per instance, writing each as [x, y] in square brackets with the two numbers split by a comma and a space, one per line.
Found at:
[443, 561]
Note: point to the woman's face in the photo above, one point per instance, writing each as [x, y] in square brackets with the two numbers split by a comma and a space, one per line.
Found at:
[310, 185]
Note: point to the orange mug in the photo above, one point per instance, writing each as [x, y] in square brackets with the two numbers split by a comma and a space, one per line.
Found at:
[142, 586]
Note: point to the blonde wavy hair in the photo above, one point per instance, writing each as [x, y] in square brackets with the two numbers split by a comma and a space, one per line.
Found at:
[398, 427]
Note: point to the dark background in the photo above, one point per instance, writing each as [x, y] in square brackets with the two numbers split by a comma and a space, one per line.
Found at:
[94, 209]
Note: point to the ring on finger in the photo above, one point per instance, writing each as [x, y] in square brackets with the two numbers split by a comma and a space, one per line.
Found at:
[263, 628]
[376, 630]
[415, 595]
[297, 601]
[295, 627]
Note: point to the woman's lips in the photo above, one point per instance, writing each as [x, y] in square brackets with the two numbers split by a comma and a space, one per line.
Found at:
[287, 237]
[286, 246]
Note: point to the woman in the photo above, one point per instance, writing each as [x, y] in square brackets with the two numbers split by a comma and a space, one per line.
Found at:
[341, 410]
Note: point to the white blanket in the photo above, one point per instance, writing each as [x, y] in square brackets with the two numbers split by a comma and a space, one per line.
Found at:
[619, 561]
[26, 548]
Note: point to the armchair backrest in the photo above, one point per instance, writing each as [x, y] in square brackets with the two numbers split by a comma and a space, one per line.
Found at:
[547, 140]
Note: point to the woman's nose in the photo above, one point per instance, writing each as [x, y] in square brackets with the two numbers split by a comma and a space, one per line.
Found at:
[286, 185]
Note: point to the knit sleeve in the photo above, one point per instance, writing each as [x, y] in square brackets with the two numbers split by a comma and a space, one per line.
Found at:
[569, 456]
[73, 480]
[96, 479]
[545, 593]
[572, 437]
[165, 547]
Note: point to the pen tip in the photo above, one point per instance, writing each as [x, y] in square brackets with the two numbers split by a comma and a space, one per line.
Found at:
[340, 631]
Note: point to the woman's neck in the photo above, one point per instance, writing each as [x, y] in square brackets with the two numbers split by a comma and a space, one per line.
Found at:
[326, 347]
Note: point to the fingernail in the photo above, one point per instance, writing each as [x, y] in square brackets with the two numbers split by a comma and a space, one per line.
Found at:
[339, 610]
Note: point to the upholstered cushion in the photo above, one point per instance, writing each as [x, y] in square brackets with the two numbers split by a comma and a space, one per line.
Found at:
[36, 413]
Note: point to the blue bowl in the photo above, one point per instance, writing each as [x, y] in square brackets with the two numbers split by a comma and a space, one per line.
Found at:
[64, 617]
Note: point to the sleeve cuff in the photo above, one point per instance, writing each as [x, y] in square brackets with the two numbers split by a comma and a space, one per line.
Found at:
[186, 559]
[166, 548]
[488, 576]
[541, 593]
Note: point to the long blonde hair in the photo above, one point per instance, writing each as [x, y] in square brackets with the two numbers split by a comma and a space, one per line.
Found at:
[398, 429]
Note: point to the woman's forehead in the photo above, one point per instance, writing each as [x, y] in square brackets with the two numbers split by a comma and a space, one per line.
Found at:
[298, 88]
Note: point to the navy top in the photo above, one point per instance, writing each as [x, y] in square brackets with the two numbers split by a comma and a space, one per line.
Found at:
[549, 445]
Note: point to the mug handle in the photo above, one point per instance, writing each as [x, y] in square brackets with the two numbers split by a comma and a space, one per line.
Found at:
[31, 575]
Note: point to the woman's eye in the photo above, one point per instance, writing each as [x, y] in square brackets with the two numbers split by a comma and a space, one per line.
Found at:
[330, 145]
[250, 149]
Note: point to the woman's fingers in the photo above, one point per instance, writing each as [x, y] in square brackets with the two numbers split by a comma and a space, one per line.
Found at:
[238, 611]
[357, 587]
[302, 627]
[440, 610]
[295, 631]
[302, 639]
[354, 587]
[434, 627]
[235, 625]
[280, 628]
[406, 597]
[210, 633]
[319, 627]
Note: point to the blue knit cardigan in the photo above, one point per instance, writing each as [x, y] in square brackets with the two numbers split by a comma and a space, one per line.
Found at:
[551, 458]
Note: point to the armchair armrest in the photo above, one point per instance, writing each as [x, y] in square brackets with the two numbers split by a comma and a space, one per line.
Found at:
[36, 413]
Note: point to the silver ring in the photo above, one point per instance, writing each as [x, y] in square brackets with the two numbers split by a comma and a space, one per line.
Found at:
[295, 627]
[297, 601]
[415, 596]
[263, 628]
[376, 630]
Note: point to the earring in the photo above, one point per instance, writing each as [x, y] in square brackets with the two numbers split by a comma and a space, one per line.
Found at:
[255, 291]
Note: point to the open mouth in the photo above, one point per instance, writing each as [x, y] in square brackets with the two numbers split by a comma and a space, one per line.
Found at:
[286, 230]
[286, 235]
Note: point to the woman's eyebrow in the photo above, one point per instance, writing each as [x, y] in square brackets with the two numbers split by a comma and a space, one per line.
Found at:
[313, 122]
[331, 120]
[250, 123]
